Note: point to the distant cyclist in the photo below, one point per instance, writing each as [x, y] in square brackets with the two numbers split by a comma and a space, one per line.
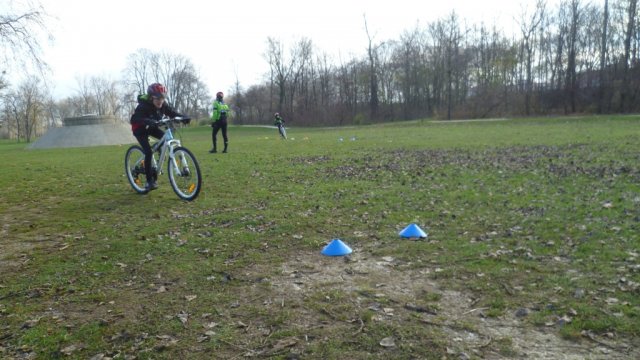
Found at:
[279, 122]
[151, 108]
[219, 122]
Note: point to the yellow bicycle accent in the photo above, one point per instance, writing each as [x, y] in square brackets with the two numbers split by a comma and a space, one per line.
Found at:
[183, 169]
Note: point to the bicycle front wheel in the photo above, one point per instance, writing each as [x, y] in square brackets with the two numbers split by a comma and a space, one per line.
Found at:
[134, 168]
[283, 132]
[184, 174]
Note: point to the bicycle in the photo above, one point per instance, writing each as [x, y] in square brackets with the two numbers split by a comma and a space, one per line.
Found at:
[282, 131]
[182, 166]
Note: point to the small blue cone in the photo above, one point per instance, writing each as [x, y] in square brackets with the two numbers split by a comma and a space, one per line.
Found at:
[336, 248]
[413, 231]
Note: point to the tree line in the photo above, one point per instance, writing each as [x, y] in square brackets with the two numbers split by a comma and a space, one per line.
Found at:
[577, 57]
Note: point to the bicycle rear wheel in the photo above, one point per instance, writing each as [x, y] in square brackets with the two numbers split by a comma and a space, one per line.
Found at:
[134, 168]
[184, 174]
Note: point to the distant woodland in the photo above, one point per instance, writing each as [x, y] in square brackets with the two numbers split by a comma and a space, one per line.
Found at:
[577, 58]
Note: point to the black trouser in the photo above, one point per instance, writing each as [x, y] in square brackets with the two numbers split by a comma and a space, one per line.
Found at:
[220, 125]
[142, 135]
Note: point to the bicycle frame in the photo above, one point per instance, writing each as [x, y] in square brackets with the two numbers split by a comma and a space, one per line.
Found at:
[167, 144]
[282, 131]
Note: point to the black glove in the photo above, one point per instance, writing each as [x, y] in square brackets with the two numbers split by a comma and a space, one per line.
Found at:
[150, 122]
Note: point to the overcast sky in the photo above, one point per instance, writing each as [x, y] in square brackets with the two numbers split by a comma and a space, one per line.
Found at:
[227, 39]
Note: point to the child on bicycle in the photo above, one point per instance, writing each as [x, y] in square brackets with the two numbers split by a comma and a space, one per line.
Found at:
[219, 122]
[151, 108]
[279, 122]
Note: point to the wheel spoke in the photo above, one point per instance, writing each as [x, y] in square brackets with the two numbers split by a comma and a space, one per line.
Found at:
[134, 168]
[184, 174]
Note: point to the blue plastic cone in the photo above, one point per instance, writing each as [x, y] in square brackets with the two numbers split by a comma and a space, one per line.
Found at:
[336, 248]
[413, 231]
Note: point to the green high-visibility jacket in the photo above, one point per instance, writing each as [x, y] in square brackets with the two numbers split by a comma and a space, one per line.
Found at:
[220, 110]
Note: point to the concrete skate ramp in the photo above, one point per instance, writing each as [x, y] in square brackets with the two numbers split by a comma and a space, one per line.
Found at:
[83, 131]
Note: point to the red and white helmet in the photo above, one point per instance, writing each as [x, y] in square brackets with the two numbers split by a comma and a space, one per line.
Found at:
[157, 90]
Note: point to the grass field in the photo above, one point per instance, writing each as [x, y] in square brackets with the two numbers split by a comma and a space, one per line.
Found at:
[532, 251]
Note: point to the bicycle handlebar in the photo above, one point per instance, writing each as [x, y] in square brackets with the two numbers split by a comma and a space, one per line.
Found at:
[177, 119]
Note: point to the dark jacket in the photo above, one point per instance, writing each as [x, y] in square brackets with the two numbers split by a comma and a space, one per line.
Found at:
[146, 112]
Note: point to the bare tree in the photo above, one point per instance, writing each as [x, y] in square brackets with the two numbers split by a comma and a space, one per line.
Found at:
[313, 94]
[628, 37]
[280, 70]
[25, 109]
[67, 107]
[603, 56]
[257, 101]
[450, 59]
[301, 55]
[373, 72]
[412, 70]
[528, 29]
[191, 95]
[109, 96]
[85, 99]
[386, 70]
[326, 88]
[177, 73]
[97, 95]
[571, 13]
[492, 68]
[138, 70]
[186, 91]
[19, 40]
[238, 100]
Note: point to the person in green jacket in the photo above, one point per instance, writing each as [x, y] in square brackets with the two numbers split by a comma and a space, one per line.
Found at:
[219, 121]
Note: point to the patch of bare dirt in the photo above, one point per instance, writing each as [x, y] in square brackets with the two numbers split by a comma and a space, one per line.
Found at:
[398, 287]
[12, 252]
[19, 236]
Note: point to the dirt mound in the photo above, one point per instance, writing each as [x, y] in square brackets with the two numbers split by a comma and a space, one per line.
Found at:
[86, 131]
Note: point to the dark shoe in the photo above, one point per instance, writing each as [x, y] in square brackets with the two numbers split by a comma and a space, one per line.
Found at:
[212, 151]
[151, 186]
[224, 151]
